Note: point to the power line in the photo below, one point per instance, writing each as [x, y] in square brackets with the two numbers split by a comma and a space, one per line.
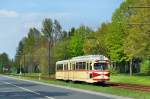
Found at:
[138, 23]
[139, 7]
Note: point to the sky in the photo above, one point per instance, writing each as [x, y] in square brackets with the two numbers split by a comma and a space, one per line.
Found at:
[17, 16]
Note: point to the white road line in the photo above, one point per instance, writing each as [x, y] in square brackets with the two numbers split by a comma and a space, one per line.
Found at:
[25, 89]
[22, 88]
[49, 97]
[73, 89]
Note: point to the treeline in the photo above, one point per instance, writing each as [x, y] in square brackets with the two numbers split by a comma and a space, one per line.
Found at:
[125, 40]
[5, 63]
[39, 51]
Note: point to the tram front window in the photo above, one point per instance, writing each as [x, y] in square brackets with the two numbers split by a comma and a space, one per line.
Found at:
[100, 66]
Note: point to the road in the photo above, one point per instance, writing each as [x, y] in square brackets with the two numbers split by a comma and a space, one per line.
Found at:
[11, 88]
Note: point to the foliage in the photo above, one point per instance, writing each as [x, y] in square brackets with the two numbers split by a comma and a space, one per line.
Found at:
[95, 41]
[5, 63]
[77, 41]
[145, 67]
[124, 39]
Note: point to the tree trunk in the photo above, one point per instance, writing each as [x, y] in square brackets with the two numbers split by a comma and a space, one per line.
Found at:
[49, 55]
[125, 67]
[149, 63]
[131, 67]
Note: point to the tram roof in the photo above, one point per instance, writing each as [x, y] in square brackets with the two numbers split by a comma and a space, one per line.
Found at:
[84, 58]
[63, 61]
[89, 57]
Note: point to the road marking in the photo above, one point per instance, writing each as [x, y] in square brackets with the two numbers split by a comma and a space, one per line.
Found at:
[73, 89]
[22, 88]
[25, 89]
[49, 97]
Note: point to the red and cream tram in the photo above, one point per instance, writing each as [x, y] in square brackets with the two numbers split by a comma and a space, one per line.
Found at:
[90, 68]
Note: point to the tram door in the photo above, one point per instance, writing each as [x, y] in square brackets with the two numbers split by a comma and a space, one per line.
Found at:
[72, 70]
[66, 71]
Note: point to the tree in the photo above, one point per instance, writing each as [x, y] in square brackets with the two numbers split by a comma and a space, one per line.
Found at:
[52, 31]
[95, 42]
[25, 51]
[57, 30]
[136, 44]
[19, 54]
[111, 37]
[127, 38]
[77, 40]
[4, 62]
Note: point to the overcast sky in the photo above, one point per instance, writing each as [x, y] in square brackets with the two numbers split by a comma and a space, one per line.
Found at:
[17, 16]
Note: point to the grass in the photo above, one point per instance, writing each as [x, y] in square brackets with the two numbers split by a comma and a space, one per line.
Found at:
[141, 80]
[110, 90]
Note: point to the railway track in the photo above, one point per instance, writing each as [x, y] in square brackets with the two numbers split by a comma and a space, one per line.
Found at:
[134, 87]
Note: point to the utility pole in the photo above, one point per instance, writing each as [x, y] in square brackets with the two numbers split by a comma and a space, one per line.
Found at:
[20, 68]
[24, 63]
[49, 55]
[20, 71]
[1, 64]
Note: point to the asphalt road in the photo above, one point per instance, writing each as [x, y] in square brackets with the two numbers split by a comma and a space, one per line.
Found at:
[18, 89]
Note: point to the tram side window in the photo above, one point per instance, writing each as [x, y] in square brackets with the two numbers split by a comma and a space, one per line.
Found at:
[89, 67]
[72, 66]
[59, 67]
[77, 66]
[65, 66]
[81, 65]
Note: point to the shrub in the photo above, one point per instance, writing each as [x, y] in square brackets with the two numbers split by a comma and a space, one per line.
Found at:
[145, 67]
[113, 71]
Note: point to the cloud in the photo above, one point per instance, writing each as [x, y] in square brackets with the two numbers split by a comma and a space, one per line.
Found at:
[43, 14]
[8, 13]
[35, 19]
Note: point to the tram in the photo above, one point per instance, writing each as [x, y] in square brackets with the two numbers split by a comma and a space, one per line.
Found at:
[90, 69]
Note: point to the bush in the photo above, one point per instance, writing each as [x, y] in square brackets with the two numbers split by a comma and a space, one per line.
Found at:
[145, 67]
[113, 71]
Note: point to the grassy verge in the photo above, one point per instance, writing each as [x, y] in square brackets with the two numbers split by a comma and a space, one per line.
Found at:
[110, 90]
[140, 80]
